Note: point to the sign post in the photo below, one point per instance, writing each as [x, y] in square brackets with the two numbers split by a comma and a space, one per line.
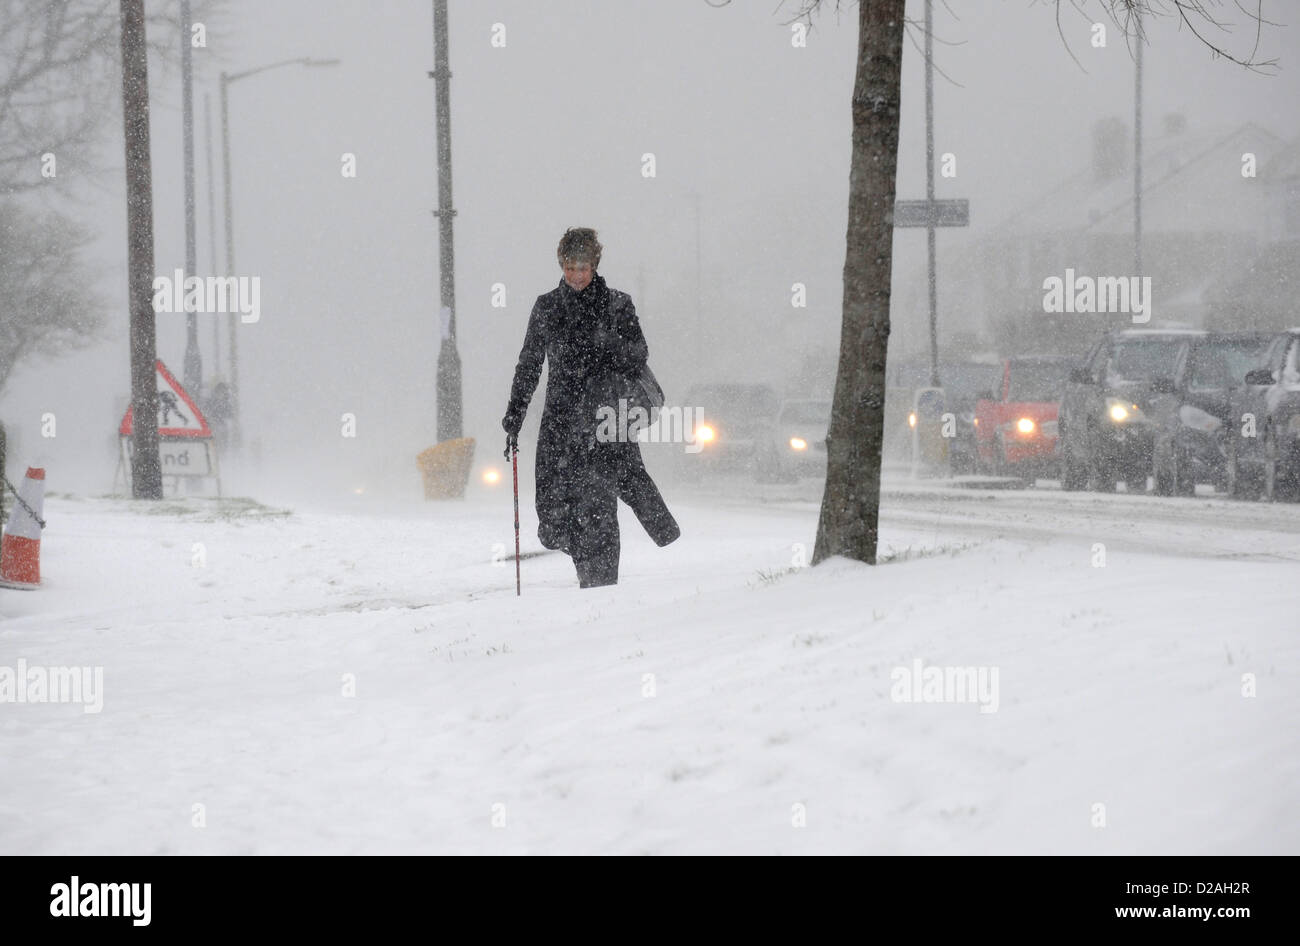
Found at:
[931, 214]
[185, 445]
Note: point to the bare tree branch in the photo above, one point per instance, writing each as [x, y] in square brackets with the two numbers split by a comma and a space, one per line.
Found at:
[1131, 17]
[60, 76]
[47, 304]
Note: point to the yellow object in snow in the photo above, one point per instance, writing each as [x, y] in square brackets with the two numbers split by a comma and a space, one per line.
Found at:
[445, 468]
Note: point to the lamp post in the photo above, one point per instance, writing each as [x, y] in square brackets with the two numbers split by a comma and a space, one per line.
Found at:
[1137, 145]
[448, 384]
[192, 372]
[228, 79]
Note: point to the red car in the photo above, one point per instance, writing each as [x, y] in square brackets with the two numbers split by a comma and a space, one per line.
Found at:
[1015, 425]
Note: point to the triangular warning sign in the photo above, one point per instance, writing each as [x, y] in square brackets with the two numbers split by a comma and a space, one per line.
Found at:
[178, 415]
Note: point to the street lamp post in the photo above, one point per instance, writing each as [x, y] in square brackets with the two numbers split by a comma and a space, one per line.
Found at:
[192, 370]
[448, 384]
[227, 79]
[1137, 146]
[212, 219]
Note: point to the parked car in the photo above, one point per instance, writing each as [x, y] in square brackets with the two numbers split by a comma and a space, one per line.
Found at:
[1015, 423]
[1267, 464]
[1190, 410]
[1105, 432]
[963, 382]
[731, 423]
[797, 445]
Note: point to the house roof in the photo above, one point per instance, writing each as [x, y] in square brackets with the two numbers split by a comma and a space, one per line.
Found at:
[1285, 164]
[1192, 183]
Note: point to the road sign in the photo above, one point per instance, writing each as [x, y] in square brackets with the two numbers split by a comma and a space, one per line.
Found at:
[178, 415]
[939, 213]
[188, 457]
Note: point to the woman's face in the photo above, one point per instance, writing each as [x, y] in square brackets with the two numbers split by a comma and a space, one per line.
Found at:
[577, 275]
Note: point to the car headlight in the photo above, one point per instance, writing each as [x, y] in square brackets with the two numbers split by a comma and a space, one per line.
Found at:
[491, 477]
[1026, 426]
[705, 434]
[1121, 411]
[798, 443]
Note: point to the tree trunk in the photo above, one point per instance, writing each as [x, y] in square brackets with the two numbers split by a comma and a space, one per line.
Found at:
[850, 512]
[146, 475]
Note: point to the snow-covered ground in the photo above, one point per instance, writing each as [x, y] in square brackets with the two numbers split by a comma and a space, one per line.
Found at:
[347, 680]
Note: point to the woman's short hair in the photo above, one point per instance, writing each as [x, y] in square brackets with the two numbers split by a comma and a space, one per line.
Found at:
[579, 245]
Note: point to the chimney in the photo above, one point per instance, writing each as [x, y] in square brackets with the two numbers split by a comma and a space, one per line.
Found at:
[1110, 148]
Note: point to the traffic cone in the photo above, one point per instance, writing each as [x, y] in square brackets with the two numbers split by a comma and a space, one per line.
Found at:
[20, 550]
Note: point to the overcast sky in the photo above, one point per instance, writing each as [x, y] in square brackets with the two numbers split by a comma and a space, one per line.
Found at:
[548, 132]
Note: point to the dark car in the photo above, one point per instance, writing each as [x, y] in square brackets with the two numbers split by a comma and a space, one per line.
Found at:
[963, 382]
[1263, 437]
[1016, 422]
[1105, 432]
[731, 422]
[1190, 409]
[796, 445]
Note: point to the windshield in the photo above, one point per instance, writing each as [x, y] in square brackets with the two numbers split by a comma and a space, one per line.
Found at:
[740, 402]
[1243, 355]
[1223, 362]
[967, 381]
[1037, 380]
[806, 412]
[1141, 359]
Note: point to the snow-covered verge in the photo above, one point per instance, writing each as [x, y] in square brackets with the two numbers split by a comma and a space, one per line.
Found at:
[367, 681]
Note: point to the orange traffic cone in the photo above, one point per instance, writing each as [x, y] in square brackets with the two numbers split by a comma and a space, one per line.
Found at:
[20, 551]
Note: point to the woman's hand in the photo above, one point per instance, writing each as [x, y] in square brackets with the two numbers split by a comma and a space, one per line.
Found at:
[512, 423]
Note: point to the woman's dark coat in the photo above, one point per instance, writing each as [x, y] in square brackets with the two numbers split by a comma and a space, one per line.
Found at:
[590, 339]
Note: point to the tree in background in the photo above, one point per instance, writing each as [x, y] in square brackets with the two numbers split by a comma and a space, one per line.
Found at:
[47, 301]
[60, 83]
[60, 88]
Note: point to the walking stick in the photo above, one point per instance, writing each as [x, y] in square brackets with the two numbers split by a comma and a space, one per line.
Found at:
[514, 458]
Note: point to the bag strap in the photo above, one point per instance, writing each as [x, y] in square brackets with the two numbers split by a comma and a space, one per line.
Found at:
[609, 308]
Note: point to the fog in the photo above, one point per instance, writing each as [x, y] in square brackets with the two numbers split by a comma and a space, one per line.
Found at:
[750, 137]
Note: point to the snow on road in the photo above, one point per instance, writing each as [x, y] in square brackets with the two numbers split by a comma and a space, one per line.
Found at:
[719, 699]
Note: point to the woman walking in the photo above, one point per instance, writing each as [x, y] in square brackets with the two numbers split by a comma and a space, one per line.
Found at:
[591, 335]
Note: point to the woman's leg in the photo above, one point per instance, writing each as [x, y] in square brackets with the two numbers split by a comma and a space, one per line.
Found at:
[554, 505]
[638, 490]
[596, 545]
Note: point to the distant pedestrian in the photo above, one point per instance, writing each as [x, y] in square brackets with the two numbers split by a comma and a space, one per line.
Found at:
[218, 410]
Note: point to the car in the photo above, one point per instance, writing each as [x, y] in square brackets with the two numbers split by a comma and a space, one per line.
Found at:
[730, 424]
[1190, 410]
[1015, 423]
[797, 445]
[1263, 438]
[1104, 431]
[962, 382]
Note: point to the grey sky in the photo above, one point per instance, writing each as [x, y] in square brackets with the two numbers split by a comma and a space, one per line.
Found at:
[548, 132]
